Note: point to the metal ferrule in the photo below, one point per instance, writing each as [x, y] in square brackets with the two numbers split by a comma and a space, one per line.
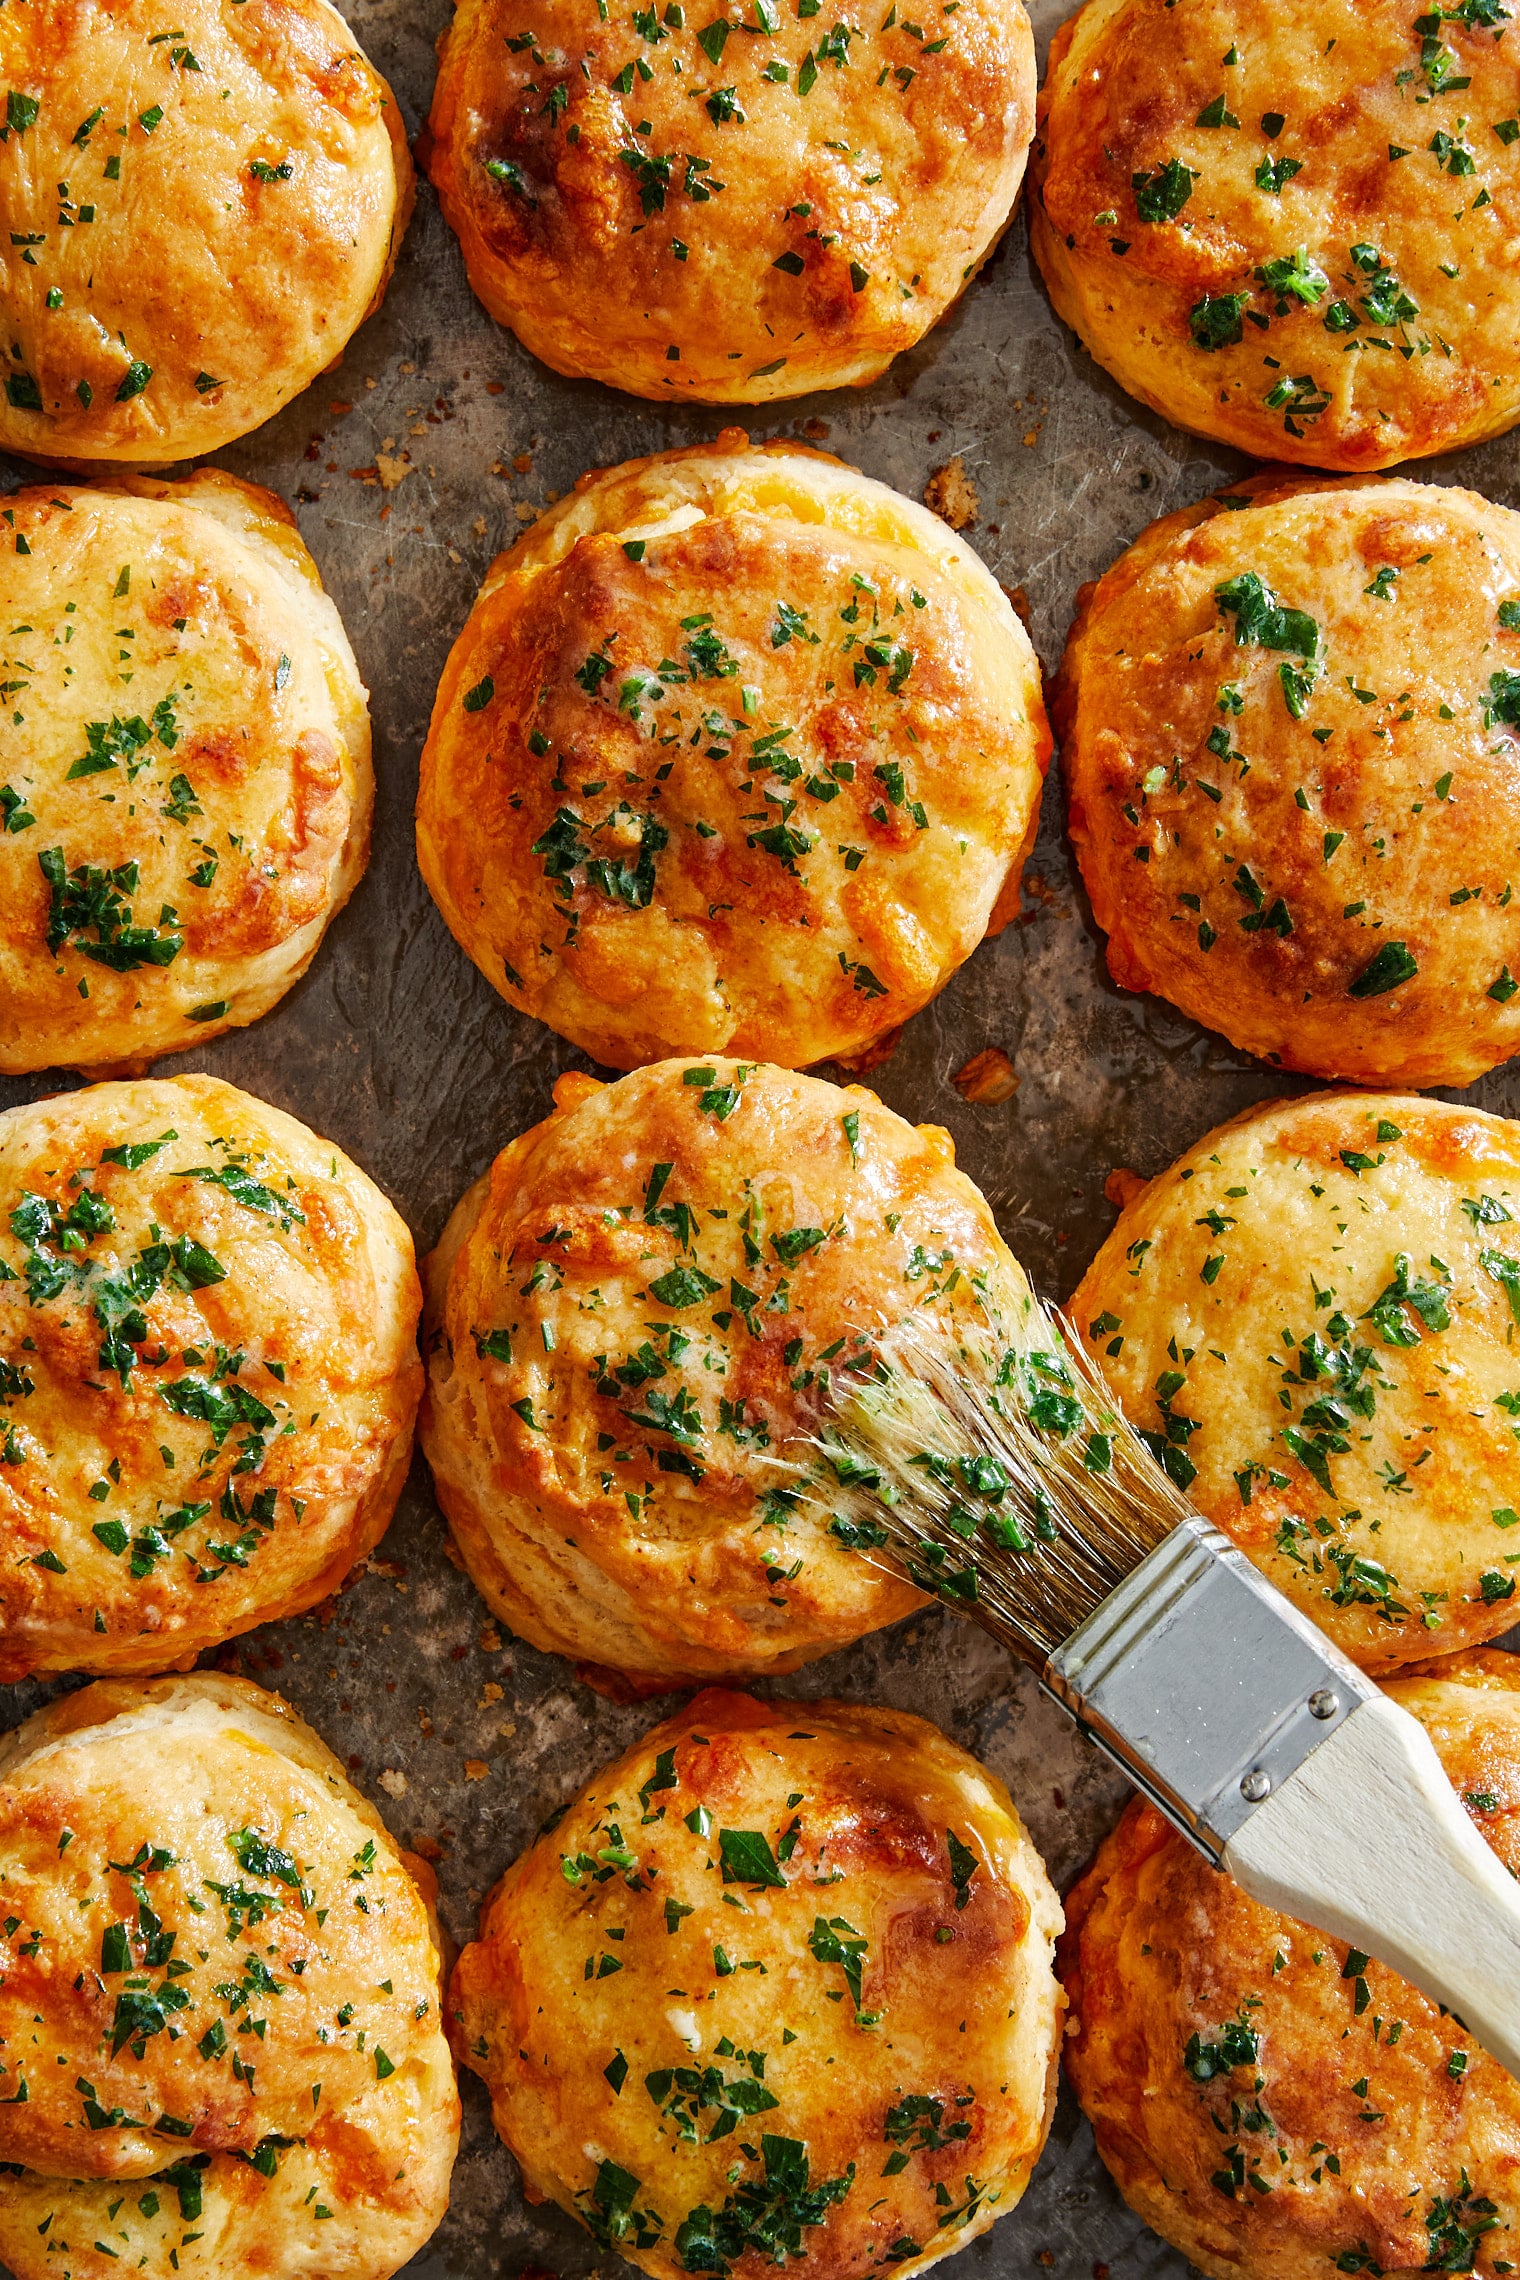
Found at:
[1204, 1683]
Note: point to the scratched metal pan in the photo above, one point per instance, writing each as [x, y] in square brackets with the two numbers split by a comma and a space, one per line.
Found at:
[408, 469]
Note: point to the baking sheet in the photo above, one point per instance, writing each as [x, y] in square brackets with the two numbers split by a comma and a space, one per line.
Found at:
[409, 468]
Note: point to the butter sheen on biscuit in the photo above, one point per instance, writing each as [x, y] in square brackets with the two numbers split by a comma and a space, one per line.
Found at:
[1312, 1317]
[727, 205]
[857, 2062]
[221, 2053]
[631, 1316]
[1290, 721]
[209, 204]
[185, 785]
[1289, 229]
[738, 752]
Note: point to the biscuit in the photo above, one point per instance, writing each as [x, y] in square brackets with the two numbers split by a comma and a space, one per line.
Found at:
[1290, 722]
[631, 1318]
[1289, 229]
[1311, 1317]
[186, 788]
[220, 2043]
[738, 752]
[208, 1373]
[725, 206]
[231, 188]
[858, 2066]
[1278, 2106]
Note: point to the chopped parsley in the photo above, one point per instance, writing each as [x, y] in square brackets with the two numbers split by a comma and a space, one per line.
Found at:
[1161, 194]
[766, 2215]
[88, 901]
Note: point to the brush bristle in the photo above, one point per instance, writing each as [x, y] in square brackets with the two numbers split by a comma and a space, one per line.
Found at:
[990, 1460]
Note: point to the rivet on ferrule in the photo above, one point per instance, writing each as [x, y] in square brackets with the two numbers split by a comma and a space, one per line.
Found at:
[1256, 1785]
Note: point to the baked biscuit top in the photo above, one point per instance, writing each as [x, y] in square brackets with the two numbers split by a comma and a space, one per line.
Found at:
[638, 1319]
[736, 753]
[199, 1913]
[196, 210]
[1291, 227]
[207, 1371]
[185, 784]
[1291, 721]
[1312, 1318]
[723, 202]
[780, 1975]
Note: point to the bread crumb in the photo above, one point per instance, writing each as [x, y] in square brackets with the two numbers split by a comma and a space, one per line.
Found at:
[479, 526]
[476, 1769]
[488, 1639]
[525, 513]
[987, 1079]
[523, 462]
[952, 495]
[872, 1056]
[490, 1693]
[1018, 601]
[391, 470]
[392, 1781]
[425, 1722]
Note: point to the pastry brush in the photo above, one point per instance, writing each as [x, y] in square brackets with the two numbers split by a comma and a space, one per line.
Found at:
[993, 1465]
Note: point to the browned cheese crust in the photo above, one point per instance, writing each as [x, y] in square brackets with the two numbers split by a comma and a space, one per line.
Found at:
[728, 204]
[208, 1372]
[739, 751]
[221, 2051]
[629, 1318]
[1315, 1316]
[195, 215]
[1277, 2106]
[780, 1973]
[1292, 228]
[185, 786]
[1290, 723]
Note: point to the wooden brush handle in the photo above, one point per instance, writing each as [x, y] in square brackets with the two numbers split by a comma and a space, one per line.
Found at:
[1367, 1841]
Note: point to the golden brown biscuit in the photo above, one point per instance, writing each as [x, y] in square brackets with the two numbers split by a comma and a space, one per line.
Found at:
[200, 211]
[1290, 228]
[220, 2043]
[207, 1372]
[185, 790]
[634, 1313]
[1312, 1318]
[738, 751]
[1290, 724]
[858, 2065]
[728, 206]
[1275, 2104]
